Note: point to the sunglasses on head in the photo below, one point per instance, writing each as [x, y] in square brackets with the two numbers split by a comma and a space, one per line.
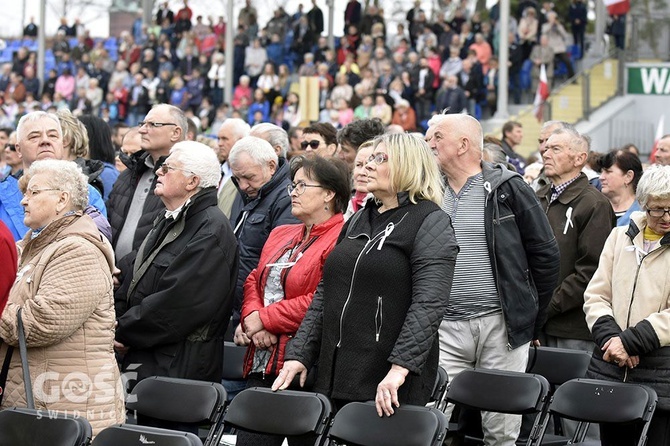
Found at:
[11, 147]
[314, 144]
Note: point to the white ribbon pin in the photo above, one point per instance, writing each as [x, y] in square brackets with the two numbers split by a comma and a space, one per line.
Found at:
[568, 222]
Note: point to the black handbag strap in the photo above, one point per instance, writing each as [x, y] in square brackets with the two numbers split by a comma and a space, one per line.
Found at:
[30, 400]
[5, 371]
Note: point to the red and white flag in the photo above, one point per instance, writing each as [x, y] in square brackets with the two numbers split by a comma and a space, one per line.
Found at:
[541, 94]
[659, 134]
[617, 7]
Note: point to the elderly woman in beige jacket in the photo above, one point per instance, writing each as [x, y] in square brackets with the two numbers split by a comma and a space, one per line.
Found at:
[64, 289]
[627, 307]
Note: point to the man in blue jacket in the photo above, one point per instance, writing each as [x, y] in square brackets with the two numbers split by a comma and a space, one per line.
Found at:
[39, 136]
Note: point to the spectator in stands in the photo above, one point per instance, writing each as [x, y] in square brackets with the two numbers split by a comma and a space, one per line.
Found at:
[577, 15]
[15, 91]
[404, 116]
[662, 155]
[190, 251]
[374, 362]
[471, 80]
[138, 101]
[621, 172]
[65, 84]
[320, 138]
[261, 205]
[30, 29]
[242, 90]
[100, 148]
[276, 297]
[66, 269]
[542, 54]
[529, 27]
[558, 41]
[259, 104]
[626, 311]
[451, 97]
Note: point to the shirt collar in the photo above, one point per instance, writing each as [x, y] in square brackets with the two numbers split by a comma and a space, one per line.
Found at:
[175, 214]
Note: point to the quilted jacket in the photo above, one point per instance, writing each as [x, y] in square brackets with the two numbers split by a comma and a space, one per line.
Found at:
[629, 297]
[298, 281]
[64, 287]
[384, 291]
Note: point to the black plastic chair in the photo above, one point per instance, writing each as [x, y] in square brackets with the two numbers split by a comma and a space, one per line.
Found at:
[440, 389]
[133, 435]
[233, 361]
[294, 413]
[558, 365]
[34, 427]
[503, 392]
[598, 401]
[181, 401]
[358, 424]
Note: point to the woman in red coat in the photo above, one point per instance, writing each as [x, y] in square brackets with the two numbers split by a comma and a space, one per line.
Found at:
[8, 260]
[278, 292]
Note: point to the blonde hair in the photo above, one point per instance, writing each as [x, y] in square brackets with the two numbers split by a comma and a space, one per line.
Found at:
[75, 135]
[412, 167]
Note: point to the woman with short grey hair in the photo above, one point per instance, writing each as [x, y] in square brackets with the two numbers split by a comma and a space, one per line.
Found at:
[627, 307]
[65, 294]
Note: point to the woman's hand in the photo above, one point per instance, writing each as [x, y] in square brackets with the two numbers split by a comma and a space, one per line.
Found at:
[287, 373]
[387, 390]
[264, 340]
[240, 338]
[616, 353]
[253, 324]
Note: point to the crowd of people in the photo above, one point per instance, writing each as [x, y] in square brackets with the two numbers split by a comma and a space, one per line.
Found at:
[401, 74]
[350, 261]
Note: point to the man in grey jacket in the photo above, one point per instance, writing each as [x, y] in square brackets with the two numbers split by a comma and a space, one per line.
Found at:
[506, 269]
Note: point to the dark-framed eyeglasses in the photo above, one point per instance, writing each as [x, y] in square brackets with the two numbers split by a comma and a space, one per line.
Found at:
[658, 213]
[300, 187]
[155, 125]
[165, 168]
[10, 147]
[378, 158]
[314, 144]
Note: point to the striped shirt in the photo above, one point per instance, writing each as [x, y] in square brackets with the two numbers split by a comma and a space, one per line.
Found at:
[473, 293]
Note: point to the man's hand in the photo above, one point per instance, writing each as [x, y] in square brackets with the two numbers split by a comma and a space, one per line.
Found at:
[240, 338]
[253, 324]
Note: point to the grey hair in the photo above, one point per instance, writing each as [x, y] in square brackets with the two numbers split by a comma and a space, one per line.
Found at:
[578, 142]
[258, 149]
[178, 116]
[654, 183]
[557, 124]
[240, 127]
[36, 116]
[199, 159]
[65, 176]
[275, 135]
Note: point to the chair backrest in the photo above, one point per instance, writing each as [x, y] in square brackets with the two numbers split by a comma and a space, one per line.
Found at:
[286, 413]
[133, 435]
[440, 388]
[233, 361]
[33, 427]
[599, 401]
[558, 365]
[358, 423]
[183, 401]
[499, 391]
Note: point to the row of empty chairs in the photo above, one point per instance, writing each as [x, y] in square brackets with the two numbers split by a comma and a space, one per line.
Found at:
[548, 389]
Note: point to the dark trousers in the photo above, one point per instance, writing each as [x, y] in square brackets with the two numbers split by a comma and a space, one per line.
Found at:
[624, 435]
[565, 57]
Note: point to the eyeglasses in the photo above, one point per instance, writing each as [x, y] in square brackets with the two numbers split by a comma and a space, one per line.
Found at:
[658, 213]
[542, 141]
[165, 168]
[300, 187]
[11, 147]
[30, 193]
[155, 125]
[378, 158]
[314, 144]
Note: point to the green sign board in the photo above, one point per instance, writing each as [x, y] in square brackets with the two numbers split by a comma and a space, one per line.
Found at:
[648, 79]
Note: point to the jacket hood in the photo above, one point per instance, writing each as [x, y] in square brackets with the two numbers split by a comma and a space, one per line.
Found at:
[495, 175]
[91, 168]
[77, 225]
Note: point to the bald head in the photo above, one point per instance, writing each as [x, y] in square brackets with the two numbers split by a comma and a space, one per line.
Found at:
[457, 142]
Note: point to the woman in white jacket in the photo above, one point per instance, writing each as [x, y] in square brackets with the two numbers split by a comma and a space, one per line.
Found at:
[217, 78]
